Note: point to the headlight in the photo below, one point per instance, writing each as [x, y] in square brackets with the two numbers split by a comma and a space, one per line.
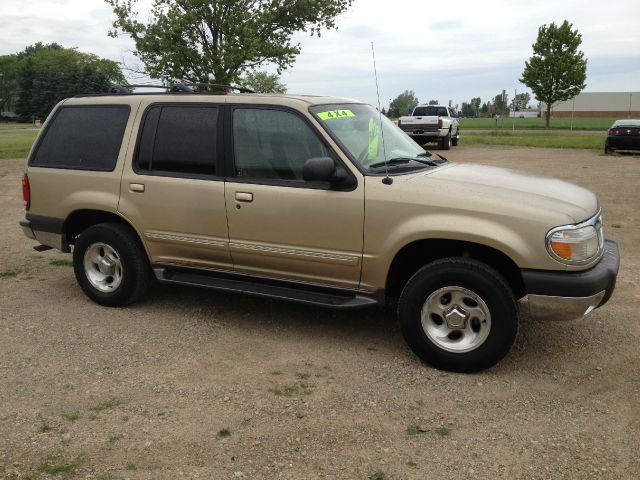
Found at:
[577, 244]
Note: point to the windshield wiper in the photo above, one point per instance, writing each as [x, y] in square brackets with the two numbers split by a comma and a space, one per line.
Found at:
[402, 160]
[429, 154]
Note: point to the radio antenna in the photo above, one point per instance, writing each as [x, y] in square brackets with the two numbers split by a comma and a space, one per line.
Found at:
[387, 180]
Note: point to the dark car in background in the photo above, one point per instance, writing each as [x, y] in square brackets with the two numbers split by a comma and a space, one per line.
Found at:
[623, 135]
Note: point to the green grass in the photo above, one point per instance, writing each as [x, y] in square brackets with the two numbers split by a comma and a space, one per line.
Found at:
[10, 273]
[61, 262]
[443, 431]
[518, 139]
[285, 390]
[70, 416]
[378, 476]
[414, 430]
[108, 405]
[537, 123]
[16, 144]
[15, 126]
[131, 466]
[51, 466]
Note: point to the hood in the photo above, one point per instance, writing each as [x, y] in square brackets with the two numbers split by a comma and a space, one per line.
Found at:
[500, 186]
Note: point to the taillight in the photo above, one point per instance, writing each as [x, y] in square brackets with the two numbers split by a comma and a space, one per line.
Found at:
[439, 122]
[26, 192]
[613, 131]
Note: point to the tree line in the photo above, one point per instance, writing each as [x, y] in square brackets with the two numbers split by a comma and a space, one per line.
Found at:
[34, 80]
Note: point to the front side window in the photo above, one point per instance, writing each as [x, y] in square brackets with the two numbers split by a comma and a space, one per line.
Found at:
[273, 144]
[83, 138]
[179, 139]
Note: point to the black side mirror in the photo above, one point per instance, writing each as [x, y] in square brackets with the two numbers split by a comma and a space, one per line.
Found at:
[319, 169]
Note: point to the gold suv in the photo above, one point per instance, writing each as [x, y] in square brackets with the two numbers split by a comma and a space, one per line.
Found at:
[313, 199]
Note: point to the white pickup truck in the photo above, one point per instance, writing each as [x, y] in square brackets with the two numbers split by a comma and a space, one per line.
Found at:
[432, 123]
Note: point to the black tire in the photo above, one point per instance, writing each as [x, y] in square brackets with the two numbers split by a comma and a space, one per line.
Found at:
[134, 270]
[607, 150]
[464, 274]
[445, 142]
[456, 140]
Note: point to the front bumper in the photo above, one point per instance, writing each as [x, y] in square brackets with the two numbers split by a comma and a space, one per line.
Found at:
[555, 295]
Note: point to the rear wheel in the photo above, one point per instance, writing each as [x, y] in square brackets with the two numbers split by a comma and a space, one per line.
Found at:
[458, 314]
[110, 265]
[445, 142]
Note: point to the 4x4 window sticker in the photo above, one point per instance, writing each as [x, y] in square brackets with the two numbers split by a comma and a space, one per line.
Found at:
[331, 114]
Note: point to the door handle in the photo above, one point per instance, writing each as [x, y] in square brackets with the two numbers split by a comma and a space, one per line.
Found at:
[136, 187]
[244, 197]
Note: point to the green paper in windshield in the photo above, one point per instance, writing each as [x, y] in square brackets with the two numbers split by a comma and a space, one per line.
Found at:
[374, 139]
[331, 114]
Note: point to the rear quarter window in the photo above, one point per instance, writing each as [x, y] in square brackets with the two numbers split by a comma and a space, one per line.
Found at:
[83, 138]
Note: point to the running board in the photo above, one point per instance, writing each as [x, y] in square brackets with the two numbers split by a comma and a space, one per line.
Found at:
[267, 287]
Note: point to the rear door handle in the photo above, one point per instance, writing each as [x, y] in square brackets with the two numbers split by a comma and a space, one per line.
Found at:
[244, 197]
[136, 187]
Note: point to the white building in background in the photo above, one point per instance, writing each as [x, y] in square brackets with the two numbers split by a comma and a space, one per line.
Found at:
[598, 104]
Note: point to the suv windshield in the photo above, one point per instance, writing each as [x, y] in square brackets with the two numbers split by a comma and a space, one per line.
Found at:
[359, 129]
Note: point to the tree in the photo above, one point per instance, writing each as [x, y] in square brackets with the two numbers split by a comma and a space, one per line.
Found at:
[434, 102]
[520, 101]
[8, 83]
[217, 41]
[263, 82]
[500, 105]
[557, 70]
[403, 104]
[467, 110]
[475, 104]
[49, 73]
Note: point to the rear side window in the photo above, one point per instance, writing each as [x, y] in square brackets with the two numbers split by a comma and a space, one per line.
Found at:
[83, 138]
[179, 139]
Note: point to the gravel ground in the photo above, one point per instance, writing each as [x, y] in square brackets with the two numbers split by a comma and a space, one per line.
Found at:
[193, 383]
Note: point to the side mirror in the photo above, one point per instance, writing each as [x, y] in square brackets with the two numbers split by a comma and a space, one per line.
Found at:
[319, 169]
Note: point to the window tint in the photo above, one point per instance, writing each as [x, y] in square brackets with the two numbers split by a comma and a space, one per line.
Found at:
[179, 139]
[83, 138]
[273, 144]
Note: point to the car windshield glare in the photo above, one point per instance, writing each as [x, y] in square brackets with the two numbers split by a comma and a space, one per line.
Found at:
[370, 140]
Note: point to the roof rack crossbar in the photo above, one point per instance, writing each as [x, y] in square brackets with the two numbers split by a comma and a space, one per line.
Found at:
[183, 87]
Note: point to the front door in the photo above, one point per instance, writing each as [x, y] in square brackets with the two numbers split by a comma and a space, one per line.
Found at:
[279, 225]
[171, 190]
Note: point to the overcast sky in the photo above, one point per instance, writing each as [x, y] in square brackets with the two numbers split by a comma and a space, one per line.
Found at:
[475, 48]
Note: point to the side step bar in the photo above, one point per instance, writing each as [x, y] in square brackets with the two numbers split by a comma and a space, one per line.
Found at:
[267, 287]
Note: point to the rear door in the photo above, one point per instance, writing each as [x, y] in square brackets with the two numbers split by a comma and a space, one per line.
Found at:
[172, 191]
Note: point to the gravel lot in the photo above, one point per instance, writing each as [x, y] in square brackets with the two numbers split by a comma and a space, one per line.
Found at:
[200, 384]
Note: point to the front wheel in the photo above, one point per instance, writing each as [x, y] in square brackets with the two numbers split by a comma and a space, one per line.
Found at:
[455, 141]
[458, 314]
[111, 265]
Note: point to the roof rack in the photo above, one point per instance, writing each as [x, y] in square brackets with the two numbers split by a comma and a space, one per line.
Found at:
[185, 87]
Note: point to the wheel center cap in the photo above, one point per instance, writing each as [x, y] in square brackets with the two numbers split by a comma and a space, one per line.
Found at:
[105, 266]
[456, 317]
